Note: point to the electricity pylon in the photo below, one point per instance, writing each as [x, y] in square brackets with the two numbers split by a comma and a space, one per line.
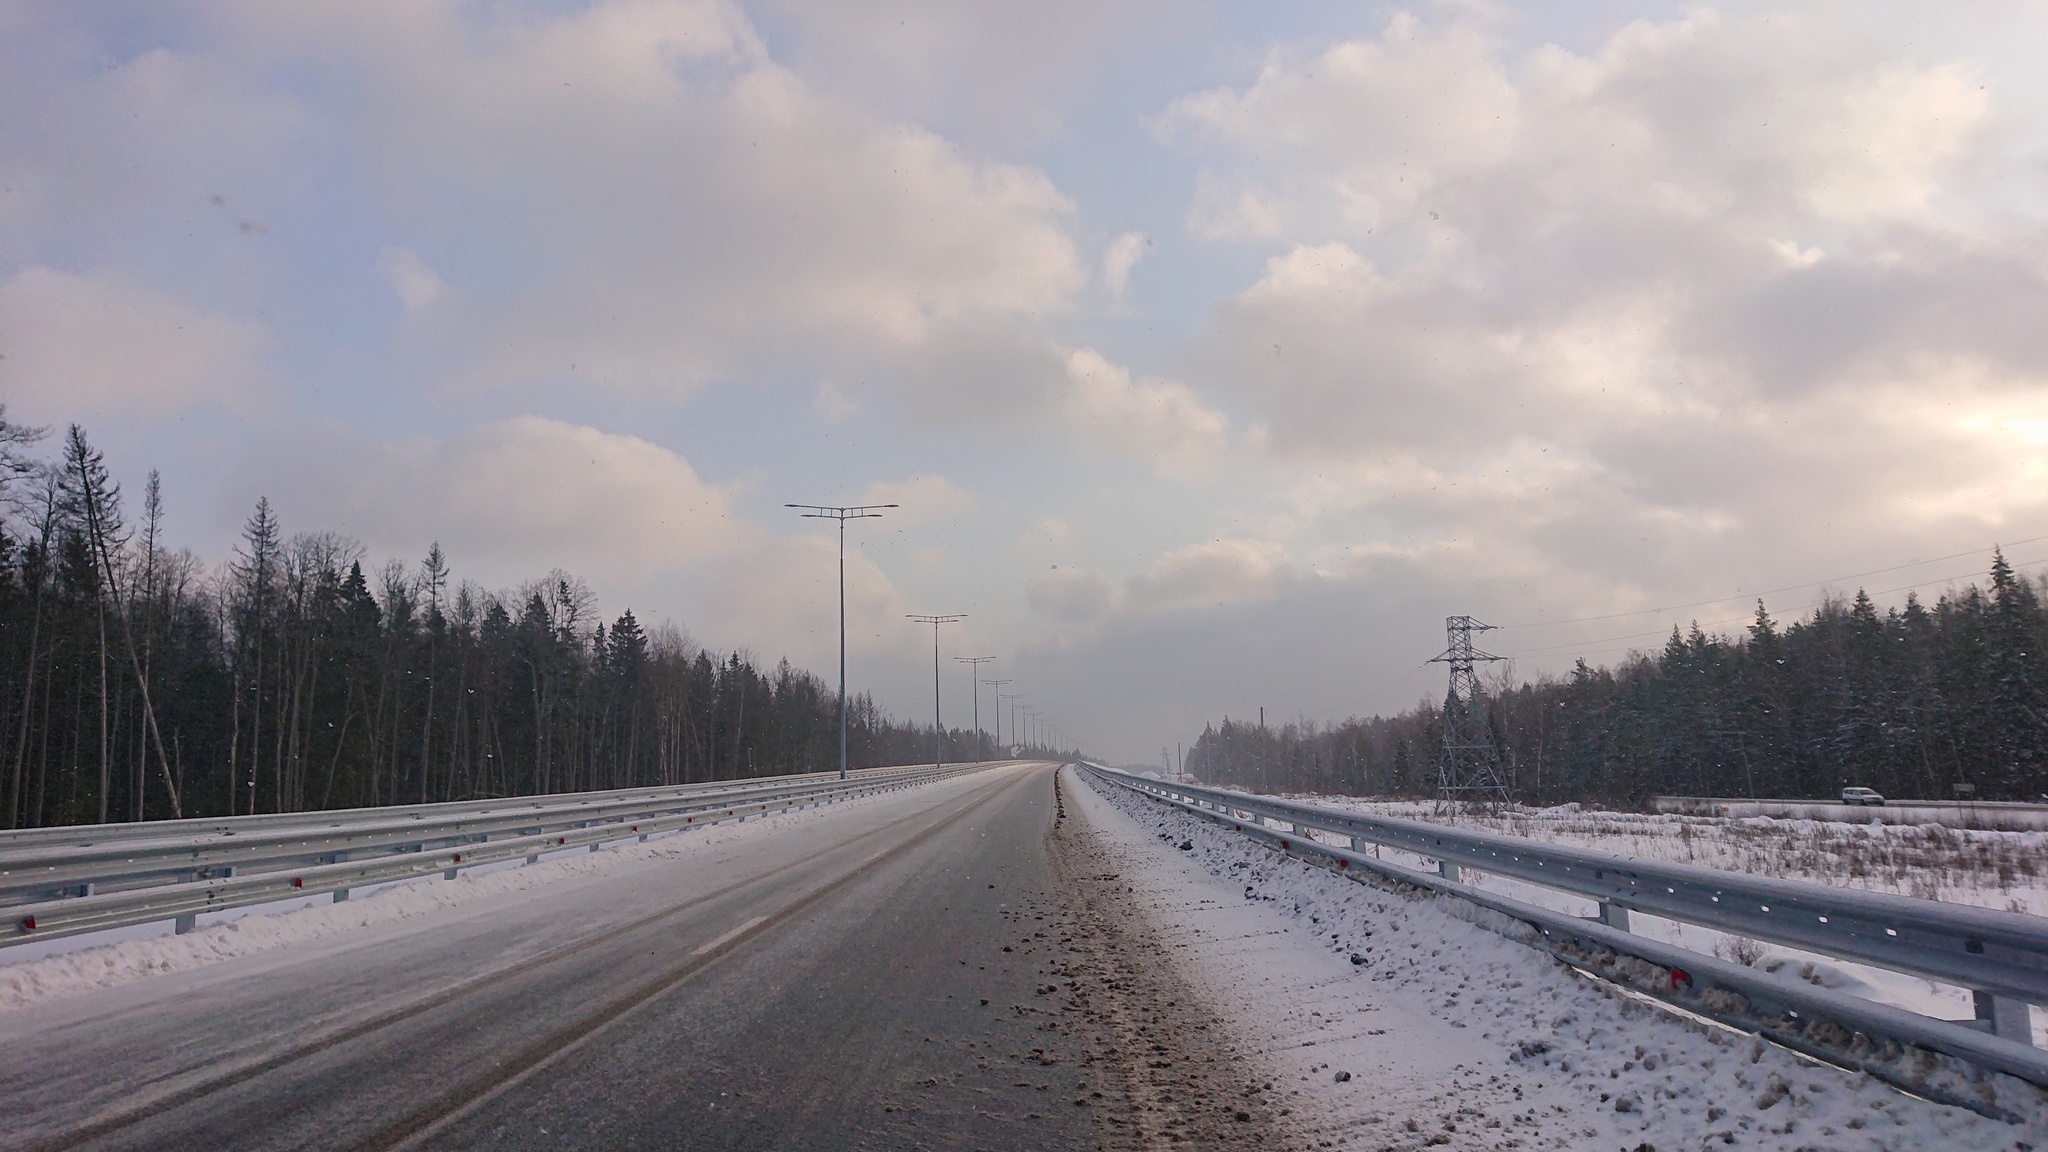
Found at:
[1469, 766]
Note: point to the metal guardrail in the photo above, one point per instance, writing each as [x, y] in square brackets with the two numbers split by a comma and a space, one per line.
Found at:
[194, 826]
[48, 863]
[2002, 956]
[61, 882]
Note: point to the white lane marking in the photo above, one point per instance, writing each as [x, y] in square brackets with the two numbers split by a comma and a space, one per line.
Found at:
[729, 935]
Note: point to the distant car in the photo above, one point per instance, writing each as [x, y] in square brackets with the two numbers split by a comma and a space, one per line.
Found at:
[1859, 796]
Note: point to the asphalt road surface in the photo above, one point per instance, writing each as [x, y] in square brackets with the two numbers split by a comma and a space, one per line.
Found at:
[947, 967]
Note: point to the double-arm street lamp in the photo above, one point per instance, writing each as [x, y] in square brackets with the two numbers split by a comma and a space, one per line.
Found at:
[998, 686]
[841, 513]
[1013, 697]
[974, 664]
[938, 730]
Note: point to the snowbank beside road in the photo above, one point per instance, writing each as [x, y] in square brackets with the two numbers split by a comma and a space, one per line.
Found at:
[1458, 1037]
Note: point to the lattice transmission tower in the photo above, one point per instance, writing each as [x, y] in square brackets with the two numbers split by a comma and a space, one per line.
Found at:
[1469, 766]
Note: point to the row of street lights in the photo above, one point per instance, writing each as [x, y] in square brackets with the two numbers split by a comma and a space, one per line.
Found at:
[844, 512]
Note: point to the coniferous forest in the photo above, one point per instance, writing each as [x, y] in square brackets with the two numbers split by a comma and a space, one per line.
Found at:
[137, 682]
[1911, 701]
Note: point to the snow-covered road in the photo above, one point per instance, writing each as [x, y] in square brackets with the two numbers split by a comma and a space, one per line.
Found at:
[1454, 1036]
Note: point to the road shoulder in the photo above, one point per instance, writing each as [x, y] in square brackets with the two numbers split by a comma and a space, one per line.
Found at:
[1458, 1037]
[1175, 1073]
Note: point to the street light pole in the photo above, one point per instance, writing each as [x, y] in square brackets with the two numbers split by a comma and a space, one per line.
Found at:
[841, 513]
[938, 729]
[974, 664]
[1013, 697]
[998, 686]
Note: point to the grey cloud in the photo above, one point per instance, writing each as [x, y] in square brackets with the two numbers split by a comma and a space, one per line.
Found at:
[1071, 596]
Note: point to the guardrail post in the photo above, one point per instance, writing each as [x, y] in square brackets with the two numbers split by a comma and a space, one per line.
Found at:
[185, 923]
[1613, 915]
[2003, 1017]
[340, 894]
[1447, 870]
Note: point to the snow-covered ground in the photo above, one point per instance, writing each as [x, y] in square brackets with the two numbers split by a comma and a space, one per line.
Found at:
[2003, 870]
[38, 972]
[1455, 1036]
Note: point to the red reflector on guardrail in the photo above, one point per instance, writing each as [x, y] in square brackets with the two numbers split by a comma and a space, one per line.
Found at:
[28, 923]
[1343, 863]
[1680, 978]
[298, 883]
[458, 857]
[561, 839]
[1284, 845]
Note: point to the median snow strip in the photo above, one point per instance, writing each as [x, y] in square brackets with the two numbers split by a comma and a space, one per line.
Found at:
[1456, 1036]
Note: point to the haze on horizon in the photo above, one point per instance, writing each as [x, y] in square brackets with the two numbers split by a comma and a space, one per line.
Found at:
[1214, 354]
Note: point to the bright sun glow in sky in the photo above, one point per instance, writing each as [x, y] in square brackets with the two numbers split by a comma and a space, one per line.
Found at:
[1215, 353]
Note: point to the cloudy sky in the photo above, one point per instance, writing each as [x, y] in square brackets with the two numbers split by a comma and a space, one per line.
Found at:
[1214, 352]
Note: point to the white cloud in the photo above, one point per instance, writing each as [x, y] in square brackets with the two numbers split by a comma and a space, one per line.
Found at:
[1603, 310]
[832, 405]
[507, 500]
[1788, 117]
[1122, 256]
[1157, 420]
[1210, 573]
[1206, 575]
[630, 193]
[416, 284]
[924, 497]
[1071, 596]
[691, 206]
[1009, 72]
[1362, 129]
[781, 598]
[75, 346]
[1049, 542]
